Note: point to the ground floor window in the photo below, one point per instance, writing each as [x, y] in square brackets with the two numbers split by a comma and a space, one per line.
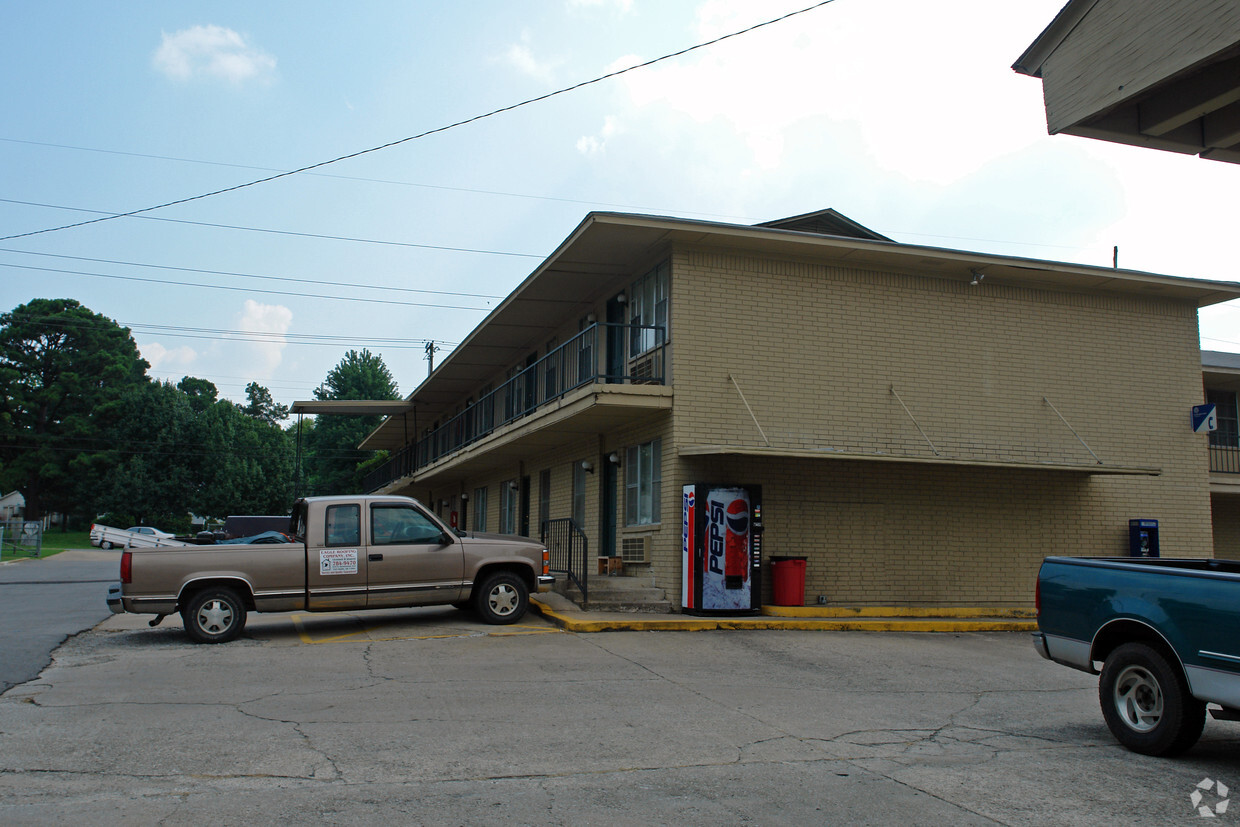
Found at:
[480, 509]
[508, 507]
[643, 476]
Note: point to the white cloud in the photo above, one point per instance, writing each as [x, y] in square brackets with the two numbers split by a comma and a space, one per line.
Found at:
[261, 358]
[621, 6]
[162, 358]
[595, 144]
[522, 58]
[212, 51]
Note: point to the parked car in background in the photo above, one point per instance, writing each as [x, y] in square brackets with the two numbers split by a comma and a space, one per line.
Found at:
[137, 536]
[146, 529]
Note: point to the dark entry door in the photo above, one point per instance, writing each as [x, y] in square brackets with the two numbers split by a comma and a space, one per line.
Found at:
[615, 341]
[607, 513]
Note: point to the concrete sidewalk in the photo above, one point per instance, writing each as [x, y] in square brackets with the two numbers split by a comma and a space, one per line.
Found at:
[569, 616]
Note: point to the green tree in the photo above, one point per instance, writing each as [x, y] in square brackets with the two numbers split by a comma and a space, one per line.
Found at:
[333, 460]
[61, 366]
[262, 406]
[202, 394]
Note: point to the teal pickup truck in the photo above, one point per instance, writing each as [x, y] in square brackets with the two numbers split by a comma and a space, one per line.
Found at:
[1167, 633]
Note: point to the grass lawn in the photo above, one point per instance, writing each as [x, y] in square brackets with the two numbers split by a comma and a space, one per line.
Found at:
[54, 542]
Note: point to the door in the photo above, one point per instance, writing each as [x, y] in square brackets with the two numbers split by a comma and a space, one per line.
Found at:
[336, 571]
[411, 559]
[616, 357]
[525, 506]
[607, 509]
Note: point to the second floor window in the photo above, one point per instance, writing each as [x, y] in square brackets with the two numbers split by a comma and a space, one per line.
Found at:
[1227, 435]
[648, 310]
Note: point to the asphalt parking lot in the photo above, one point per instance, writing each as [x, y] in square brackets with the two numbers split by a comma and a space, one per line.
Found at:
[429, 716]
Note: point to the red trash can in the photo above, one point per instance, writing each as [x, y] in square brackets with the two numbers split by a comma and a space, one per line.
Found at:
[788, 580]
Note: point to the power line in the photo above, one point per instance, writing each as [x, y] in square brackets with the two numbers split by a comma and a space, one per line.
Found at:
[583, 201]
[349, 284]
[110, 215]
[428, 132]
[244, 289]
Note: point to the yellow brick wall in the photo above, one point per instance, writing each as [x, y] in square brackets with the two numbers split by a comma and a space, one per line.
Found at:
[816, 350]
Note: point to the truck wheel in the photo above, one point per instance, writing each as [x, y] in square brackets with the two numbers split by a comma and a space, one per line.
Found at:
[215, 615]
[1146, 703]
[105, 544]
[502, 598]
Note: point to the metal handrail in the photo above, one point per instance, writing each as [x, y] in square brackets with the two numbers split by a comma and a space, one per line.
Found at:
[569, 549]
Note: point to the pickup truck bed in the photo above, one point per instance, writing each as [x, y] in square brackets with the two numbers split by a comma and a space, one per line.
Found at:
[1166, 631]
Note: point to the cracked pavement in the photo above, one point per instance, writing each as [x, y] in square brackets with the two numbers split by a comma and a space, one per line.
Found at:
[429, 716]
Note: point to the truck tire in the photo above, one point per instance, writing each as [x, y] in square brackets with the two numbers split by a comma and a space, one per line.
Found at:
[106, 545]
[214, 615]
[1146, 703]
[502, 598]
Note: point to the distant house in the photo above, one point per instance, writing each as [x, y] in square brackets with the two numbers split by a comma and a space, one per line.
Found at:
[12, 505]
[1153, 73]
[926, 424]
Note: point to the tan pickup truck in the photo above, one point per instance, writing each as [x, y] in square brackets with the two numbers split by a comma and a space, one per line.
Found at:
[346, 553]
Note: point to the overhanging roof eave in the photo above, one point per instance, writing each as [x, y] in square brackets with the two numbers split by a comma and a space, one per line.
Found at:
[829, 454]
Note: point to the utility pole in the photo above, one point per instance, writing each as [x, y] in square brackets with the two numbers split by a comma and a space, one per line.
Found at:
[430, 357]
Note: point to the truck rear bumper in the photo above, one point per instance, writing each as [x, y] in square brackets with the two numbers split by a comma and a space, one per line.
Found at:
[543, 583]
[1039, 643]
[114, 599]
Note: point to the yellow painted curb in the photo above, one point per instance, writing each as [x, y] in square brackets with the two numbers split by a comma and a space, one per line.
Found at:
[689, 623]
[900, 611]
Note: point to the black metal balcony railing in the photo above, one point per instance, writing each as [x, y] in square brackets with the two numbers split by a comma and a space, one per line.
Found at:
[579, 361]
[1225, 459]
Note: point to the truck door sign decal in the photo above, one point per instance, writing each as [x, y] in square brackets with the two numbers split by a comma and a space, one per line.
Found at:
[338, 561]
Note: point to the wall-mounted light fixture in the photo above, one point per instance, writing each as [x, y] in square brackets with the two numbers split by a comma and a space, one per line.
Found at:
[621, 298]
[513, 486]
[591, 318]
[587, 466]
[614, 458]
[464, 498]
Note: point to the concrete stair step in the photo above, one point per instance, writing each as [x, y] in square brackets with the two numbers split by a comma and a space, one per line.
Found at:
[617, 594]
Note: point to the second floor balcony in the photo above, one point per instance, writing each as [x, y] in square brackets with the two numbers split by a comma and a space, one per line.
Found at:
[602, 354]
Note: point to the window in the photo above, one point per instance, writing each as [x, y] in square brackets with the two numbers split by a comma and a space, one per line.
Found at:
[344, 525]
[643, 476]
[480, 509]
[400, 524]
[1227, 435]
[579, 495]
[551, 371]
[585, 351]
[508, 507]
[486, 410]
[648, 309]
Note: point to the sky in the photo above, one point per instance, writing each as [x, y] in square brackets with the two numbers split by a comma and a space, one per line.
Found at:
[903, 115]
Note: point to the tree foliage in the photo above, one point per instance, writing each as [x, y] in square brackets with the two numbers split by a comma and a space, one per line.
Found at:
[83, 430]
[333, 461]
[61, 365]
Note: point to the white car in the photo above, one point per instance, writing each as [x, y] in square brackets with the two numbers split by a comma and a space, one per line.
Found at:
[146, 529]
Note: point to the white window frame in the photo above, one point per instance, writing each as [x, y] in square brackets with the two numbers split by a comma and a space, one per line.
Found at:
[643, 479]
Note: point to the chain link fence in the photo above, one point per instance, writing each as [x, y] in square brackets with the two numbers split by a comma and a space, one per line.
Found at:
[20, 538]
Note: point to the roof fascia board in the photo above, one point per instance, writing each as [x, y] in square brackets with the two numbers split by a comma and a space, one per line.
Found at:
[1034, 57]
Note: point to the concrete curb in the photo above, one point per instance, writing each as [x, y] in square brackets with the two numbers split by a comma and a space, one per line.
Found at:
[860, 619]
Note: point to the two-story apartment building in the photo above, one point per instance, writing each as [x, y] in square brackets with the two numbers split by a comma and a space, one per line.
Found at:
[926, 424]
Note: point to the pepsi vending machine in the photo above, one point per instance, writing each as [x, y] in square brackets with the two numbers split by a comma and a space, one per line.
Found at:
[721, 549]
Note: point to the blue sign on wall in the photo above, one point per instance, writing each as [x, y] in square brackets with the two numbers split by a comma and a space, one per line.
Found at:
[1205, 418]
